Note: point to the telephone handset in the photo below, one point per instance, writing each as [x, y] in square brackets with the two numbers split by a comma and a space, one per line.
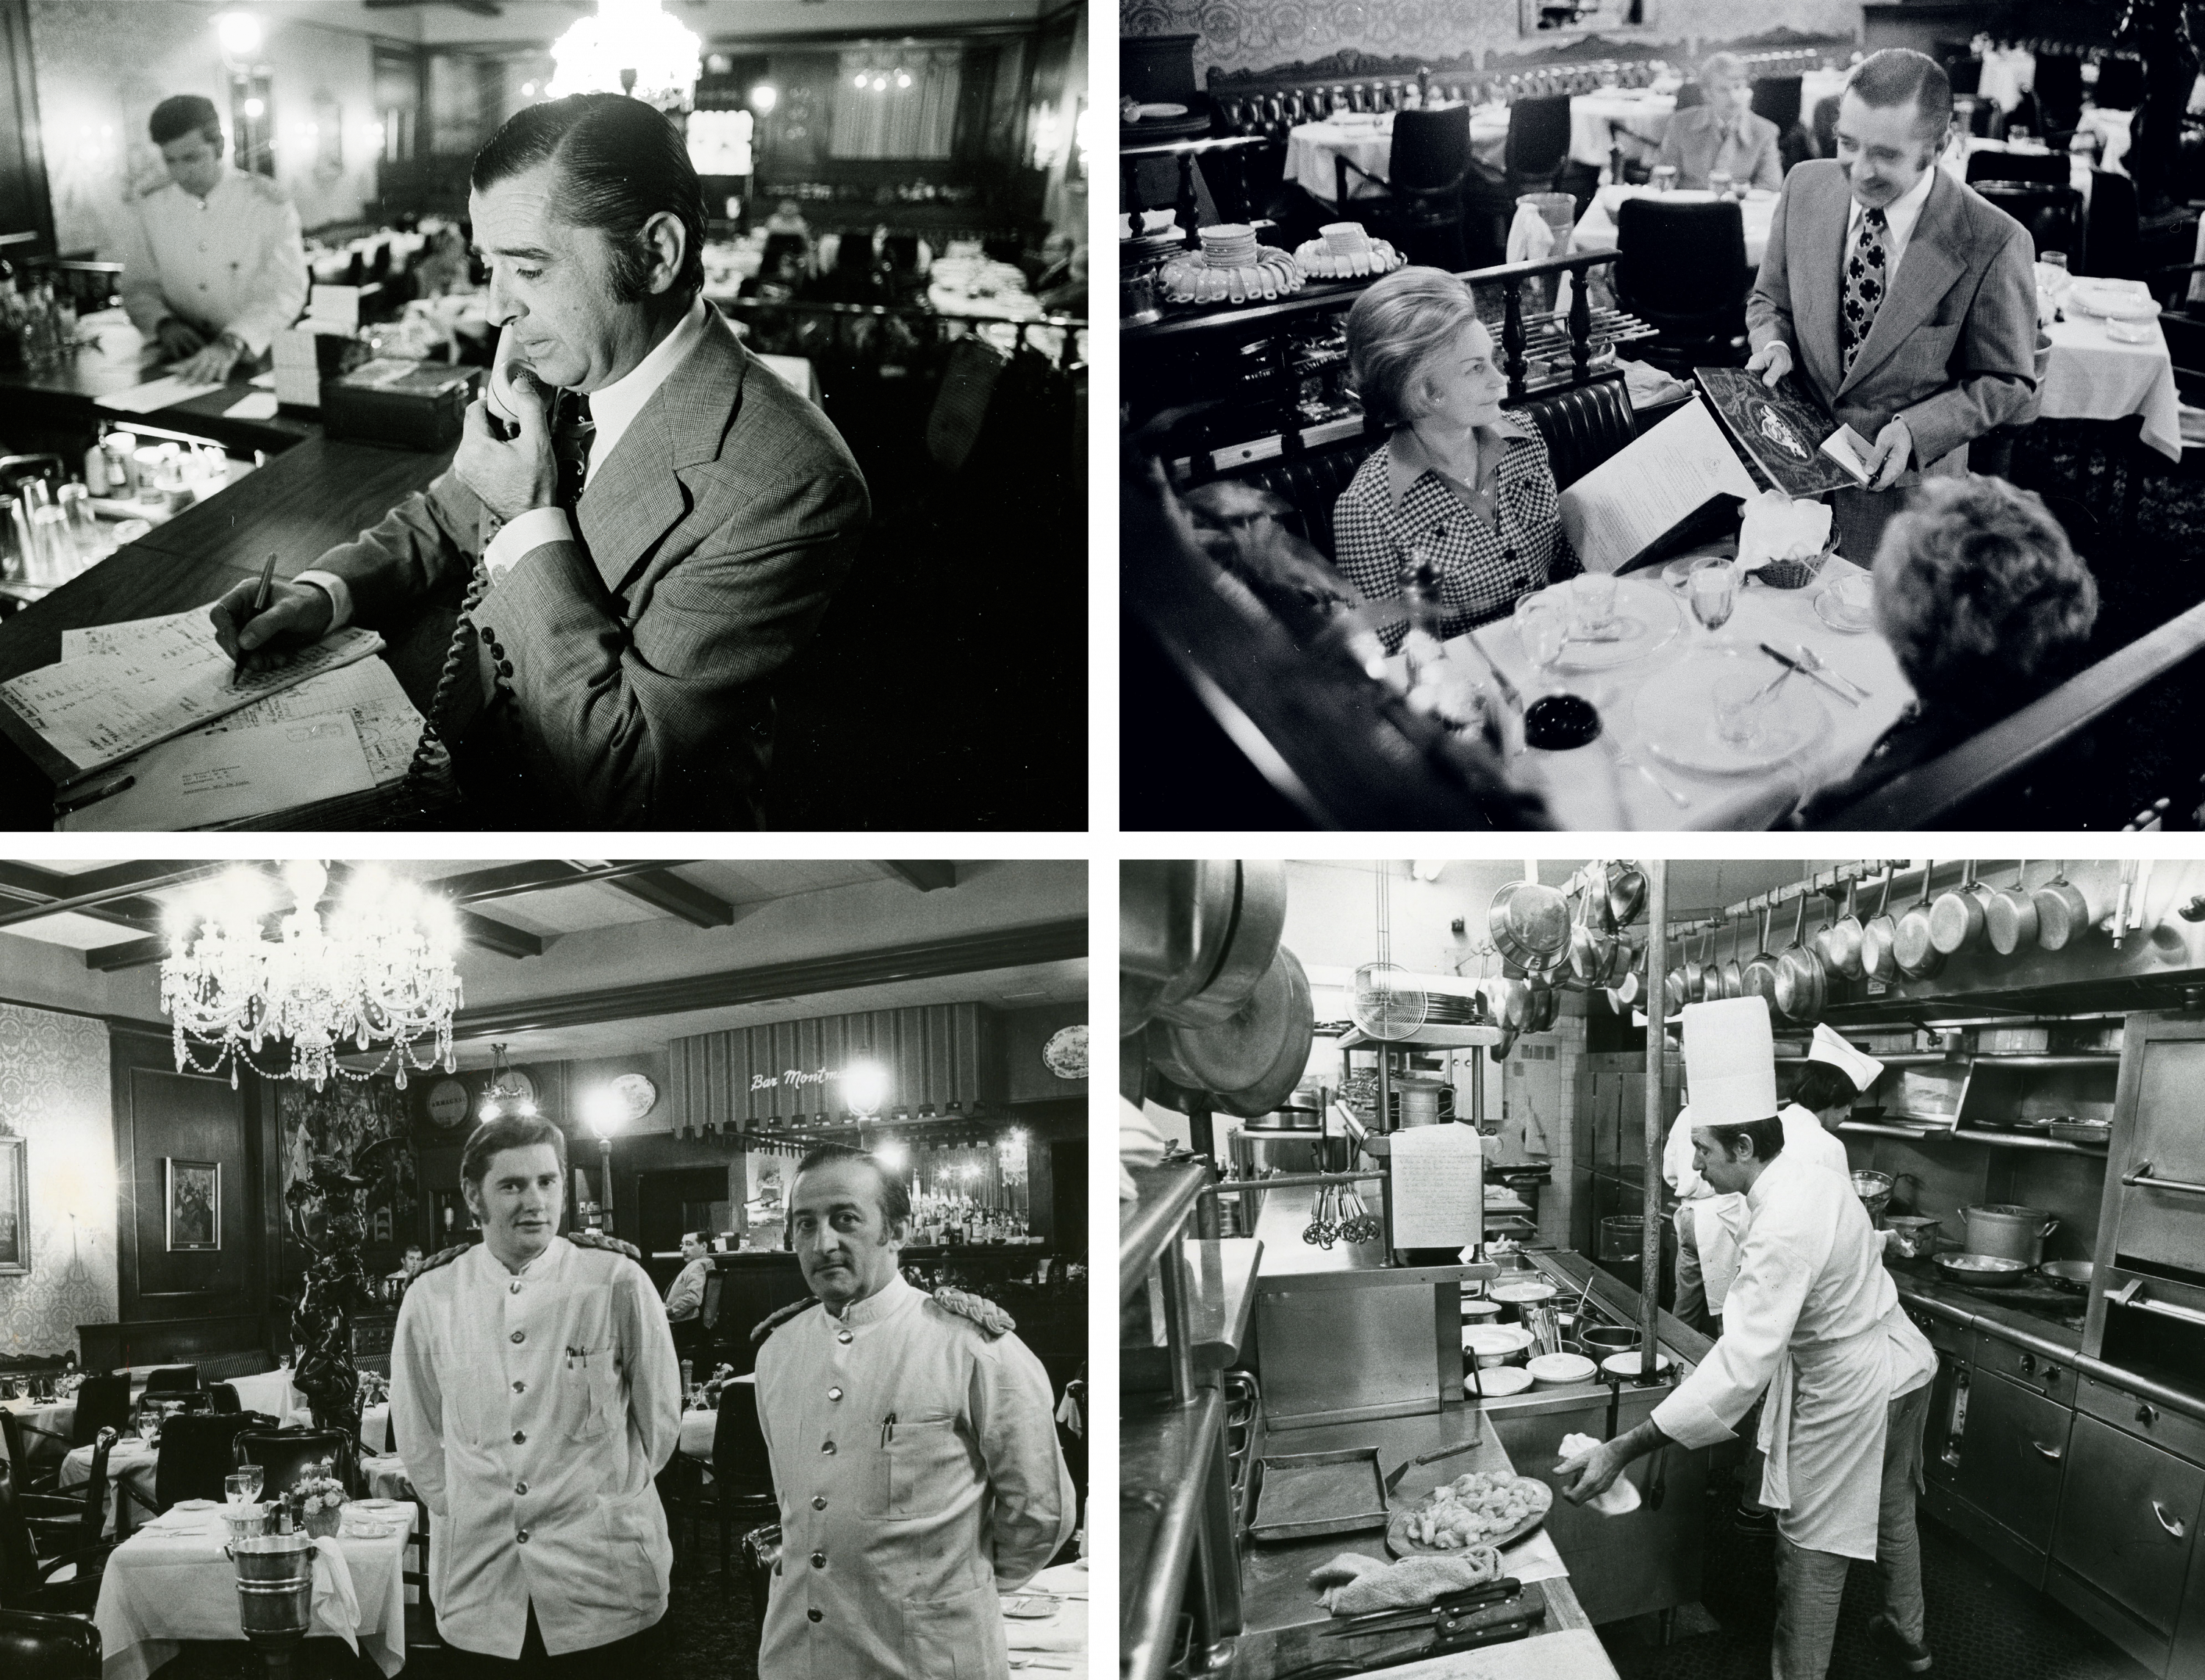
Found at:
[498, 393]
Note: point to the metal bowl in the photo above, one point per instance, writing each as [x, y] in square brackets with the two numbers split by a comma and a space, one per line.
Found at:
[1981, 1271]
[1602, 1339]
[1874, 1190]
[2069, 1274]
[1916, 1234]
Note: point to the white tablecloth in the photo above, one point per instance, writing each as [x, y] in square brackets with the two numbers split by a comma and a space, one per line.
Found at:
[1595, 229]
[386, 1476]
[2094, 378]
[1060, 1638]
[56, 1417]
[171, 1582]
[129, 1457]
[1584, 788]
[1312, 147]
[374, 1426]
[268, 1392]
[697, 1427]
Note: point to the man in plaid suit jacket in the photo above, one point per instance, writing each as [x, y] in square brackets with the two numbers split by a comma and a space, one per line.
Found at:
[628, 632]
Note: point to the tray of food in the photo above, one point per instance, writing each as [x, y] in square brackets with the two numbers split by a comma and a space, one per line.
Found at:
[1303, 1493]
[1484, 1508]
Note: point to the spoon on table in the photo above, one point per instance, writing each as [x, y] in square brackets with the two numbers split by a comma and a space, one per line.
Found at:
[1815, 662]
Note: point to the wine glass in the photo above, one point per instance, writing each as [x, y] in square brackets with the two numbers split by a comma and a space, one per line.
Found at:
[1713, 593]
[240, 1488]
[249, 1477]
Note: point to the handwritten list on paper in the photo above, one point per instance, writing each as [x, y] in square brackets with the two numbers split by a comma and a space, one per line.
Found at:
[1437, 1186]
[146, 681]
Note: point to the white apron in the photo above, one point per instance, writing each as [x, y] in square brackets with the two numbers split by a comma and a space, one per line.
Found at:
[1822, 1426]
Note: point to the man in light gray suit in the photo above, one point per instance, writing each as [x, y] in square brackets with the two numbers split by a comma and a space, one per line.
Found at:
[1905, 301]
[626, 633]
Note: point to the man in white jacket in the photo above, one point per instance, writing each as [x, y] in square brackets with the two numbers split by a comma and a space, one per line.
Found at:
[534, 1395]
[1813, 1318]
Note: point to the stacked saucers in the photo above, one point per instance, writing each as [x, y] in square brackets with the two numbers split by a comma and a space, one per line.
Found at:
[1347, 252]
[1231, 268]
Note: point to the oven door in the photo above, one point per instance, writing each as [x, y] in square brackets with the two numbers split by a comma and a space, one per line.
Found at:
[2159, 1206]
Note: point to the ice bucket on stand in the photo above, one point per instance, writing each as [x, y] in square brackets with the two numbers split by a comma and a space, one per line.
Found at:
[275, 1594]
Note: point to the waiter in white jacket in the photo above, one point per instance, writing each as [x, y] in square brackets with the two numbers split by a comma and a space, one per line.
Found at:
[1813, 1318]
[534, 1394]
[1732, 1037]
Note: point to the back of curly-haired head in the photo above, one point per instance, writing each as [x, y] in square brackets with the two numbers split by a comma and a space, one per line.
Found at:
[1981, 596]
[1399, 323]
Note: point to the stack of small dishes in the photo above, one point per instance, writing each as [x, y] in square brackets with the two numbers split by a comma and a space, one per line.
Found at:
[1560, 1370]
[1231, 268]
[1347, 252]
[1498, 1381]
[1626, 1364]
[1496, 1345]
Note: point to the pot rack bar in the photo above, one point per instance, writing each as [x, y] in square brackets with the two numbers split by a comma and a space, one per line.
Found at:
[1828, 883]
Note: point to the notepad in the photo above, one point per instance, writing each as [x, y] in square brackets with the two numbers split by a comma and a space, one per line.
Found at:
[156, 394]
[144, 682]
[228, 775]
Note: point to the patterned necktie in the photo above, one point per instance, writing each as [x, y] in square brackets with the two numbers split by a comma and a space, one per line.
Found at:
[1863, 287]
[573, 432]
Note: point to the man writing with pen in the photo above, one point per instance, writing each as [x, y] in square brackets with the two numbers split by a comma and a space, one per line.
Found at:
[913, 1446]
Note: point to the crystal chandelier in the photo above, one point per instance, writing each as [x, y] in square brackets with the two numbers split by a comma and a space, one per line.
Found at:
[630, 46]
[378, 969]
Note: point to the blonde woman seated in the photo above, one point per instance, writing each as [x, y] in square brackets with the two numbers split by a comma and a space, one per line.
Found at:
[1459, 484]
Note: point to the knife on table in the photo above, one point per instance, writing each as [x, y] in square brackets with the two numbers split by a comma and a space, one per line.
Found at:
[1783, 658]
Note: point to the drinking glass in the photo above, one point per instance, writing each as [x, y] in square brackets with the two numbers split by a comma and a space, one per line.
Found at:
[1665, 177]
[241, 1487]
[251, 1475]
[1592, 599]
[1719, 183]
[1740, 698]
[1545, 631]
[1713, 591]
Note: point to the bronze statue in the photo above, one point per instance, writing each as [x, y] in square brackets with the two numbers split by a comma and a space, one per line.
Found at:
[328, 1214]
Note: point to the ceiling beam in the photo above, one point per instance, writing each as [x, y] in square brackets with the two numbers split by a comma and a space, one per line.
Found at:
[83, 898]
[966, 953]
[31, 885]
[928, 877]
[662, 889]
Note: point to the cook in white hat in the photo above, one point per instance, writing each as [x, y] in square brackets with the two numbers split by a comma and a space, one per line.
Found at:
[1813, 1321]
[1730, 1079]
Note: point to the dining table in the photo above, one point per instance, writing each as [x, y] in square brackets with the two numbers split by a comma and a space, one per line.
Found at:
[699, 1426]
[171, 1583]
[1657, 762]
[1045, 1620]
[130, 1462]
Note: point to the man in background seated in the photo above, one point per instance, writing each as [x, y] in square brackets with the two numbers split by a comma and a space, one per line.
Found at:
[1723, 136]
[685, 1295]
[1986, 606]
[213, 267]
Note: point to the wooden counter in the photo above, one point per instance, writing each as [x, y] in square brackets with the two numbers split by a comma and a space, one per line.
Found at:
[301, 504]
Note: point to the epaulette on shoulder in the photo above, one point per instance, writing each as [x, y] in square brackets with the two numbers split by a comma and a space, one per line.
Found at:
[597, 1239]
[981, 1310]
[766, 1326]
[443, 1258]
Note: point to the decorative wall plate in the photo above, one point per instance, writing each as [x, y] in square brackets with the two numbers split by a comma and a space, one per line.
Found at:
[636, 1090]
[1065, 1053]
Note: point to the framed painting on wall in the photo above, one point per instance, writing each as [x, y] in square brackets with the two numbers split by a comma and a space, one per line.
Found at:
[14, 1209]
[194, 1204]
[1546, 20]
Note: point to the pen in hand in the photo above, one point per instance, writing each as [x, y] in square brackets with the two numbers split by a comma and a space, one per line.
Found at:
[260, 606]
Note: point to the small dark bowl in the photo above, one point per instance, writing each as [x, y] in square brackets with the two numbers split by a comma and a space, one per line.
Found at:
[1558, 722]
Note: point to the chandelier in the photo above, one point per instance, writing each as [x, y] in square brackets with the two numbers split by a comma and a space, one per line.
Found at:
[630, 46]
[378, 969]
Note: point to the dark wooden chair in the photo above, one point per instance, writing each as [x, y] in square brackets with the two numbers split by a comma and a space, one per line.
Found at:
[284, 1454]
[67, 1584]
[65, 1519]
[2047, 169]
[172, 1379]
[33, 1646]
[102, 1403]
[224, 1396]
[1420, 196]
[36, 1452]
[2059, 96]
[1538, 144]
[739, 1490]
[1681, 268]
[197, 1452]
[2113, 244]
[2053, 215]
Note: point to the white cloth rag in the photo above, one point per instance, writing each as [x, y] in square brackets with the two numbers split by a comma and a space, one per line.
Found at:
[1531, 239]
[1356, 1585]
[1622, 1494]
[336, 1606]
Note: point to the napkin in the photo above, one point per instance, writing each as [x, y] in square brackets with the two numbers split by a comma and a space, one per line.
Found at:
[335, 1605]
[1778, 528]
[1622, 1494]
[1357, 1585]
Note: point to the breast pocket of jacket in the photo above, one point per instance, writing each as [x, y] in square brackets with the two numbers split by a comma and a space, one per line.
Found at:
[589, 1392]
[921, 1466]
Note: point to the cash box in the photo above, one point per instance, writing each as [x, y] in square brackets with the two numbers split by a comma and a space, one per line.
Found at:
[418, 405]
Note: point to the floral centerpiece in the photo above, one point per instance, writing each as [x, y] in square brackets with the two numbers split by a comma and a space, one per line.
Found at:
[718, 1380]
[374, 1389]
[318, 1498]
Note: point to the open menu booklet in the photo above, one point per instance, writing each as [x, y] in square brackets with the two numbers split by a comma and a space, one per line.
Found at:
[1683, 482]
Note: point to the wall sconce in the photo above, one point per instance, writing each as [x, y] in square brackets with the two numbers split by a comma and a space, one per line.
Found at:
[864, 1087]
[241, 35]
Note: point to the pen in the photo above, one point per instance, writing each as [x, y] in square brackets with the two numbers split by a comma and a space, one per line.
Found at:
[887, 1429]
[260, 606]
[104, 790]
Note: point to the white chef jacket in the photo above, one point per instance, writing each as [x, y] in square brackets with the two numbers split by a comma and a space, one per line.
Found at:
[532, 1410]
[1814, 1318]
[231, 261]
[1719, 1219]
[896, 1537]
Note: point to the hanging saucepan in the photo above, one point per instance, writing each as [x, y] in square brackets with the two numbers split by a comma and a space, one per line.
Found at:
[1627, 892]
[2062, 914]
[1842, 947]
[1879, 960]
[1591, 949]
[1292, 1063]
[1546, 1003]
[1695, 976]
[1759, 977]
[1956, 920]
[1802, 983]
[1516, 1002]
[1529, 923]
[1243, 1059]
[1630, 981]
[2010, 917]
[1499, 1052]
[1918, 958]
[1672, 986]
[1733, 972]
[1238, 910]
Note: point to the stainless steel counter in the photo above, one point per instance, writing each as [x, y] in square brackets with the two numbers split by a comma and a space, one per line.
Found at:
[1283, 1617]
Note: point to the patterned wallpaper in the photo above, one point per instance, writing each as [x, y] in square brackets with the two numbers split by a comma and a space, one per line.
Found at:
[1257, 34]
[54, 1094]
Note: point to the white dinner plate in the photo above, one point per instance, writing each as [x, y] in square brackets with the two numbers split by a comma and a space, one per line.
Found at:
[1495, 1381]
[1646, 617]
[1676, 717]
[2113, 302]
